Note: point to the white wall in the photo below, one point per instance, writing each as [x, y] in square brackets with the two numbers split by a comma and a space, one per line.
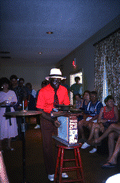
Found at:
[33, 74]
[84, 55]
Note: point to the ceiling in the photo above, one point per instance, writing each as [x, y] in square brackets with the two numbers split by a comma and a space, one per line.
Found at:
[24, 24]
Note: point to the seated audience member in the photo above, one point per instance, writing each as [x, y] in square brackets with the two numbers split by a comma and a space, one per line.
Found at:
[112, 129]
[93, 110]
[8, 126]
[78, 104]
[78, 101]
[108, 115]
[86, 100]
[43, 84]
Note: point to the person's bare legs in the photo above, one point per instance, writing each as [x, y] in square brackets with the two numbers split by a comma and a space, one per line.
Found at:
[113, 159]
[94, 131]
[80, 128]
[112, 127]
[111, 143]
[96, 134]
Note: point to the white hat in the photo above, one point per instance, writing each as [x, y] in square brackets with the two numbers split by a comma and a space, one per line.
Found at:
[55, 73]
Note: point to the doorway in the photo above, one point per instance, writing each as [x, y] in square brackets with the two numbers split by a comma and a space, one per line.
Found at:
[72, 81]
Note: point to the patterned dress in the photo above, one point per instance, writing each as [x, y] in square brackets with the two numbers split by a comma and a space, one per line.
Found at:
[7, 129]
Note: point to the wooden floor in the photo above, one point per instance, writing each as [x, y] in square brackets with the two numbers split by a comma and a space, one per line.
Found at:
[35, 170]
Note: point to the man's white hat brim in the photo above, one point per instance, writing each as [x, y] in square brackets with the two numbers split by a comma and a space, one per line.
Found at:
[59, 77]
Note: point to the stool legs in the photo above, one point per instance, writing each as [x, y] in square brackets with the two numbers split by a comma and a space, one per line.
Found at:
[59, 165]
[76, 161]
[80, 164]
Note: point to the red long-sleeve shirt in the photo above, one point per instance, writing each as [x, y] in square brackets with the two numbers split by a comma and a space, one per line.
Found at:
[46, 97]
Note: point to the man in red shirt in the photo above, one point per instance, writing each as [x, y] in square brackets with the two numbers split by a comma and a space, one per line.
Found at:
[48, 97]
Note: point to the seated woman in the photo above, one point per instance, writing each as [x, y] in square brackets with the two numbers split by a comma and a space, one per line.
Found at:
[78, 101]
[78, 104]
[86, 100]
[90, 117]
[113, 160]
[108, 115]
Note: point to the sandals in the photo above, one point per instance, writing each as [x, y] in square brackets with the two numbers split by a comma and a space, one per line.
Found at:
[109, 165]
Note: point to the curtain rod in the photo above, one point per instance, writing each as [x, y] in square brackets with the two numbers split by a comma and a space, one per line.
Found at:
[106, 37]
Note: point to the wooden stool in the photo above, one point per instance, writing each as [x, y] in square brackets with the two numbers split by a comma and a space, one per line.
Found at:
[59, 164]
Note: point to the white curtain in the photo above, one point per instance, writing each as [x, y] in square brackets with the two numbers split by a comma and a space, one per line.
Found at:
[105, 83]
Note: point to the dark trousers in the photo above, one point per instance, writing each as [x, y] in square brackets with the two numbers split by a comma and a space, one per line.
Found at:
[38, 119]
[48, 129]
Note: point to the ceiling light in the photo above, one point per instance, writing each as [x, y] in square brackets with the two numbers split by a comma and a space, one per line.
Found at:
[40, 53]
[49, 32]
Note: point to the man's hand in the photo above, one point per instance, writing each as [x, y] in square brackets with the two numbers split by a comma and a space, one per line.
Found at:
[59, 113]
[56, 123]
